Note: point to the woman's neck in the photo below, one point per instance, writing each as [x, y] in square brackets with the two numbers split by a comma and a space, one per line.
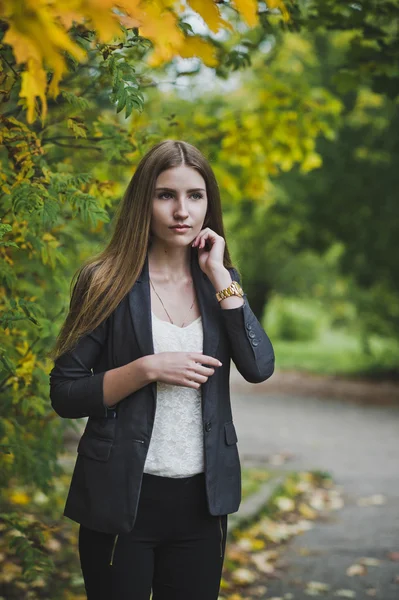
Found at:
[169, 264]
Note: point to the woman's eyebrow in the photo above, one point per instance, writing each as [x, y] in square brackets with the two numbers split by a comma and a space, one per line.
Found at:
[172, 190]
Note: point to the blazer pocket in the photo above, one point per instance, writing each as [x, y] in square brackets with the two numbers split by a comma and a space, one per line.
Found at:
[230, 433]
[95, 447]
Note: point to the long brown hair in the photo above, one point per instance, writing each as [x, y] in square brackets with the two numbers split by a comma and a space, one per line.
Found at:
[102, 281]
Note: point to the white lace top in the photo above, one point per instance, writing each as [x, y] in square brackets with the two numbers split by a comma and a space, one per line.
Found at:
[176, 446]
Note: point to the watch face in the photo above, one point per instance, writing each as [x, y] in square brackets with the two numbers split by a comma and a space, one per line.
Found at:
[239, 288]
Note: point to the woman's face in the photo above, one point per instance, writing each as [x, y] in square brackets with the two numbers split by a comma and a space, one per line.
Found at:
[179, 198]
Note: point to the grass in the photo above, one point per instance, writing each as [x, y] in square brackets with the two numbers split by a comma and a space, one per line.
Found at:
[252, 479]
[337, 352]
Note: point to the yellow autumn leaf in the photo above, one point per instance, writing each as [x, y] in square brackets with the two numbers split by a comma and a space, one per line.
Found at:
[279, 4]
[21, 498]
[248, 9]
[40, 35]
[36, 41]
[7, 458]
[34, 86]
[195, 46]
[48, 237]
[208, 10]
[24, 370]
[310, 162]
[10, 571]
[306, 511]
[258, 544]
[22, 347]
[161, 27]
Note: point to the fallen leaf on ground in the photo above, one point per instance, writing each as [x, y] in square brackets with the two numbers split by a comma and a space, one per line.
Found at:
[237, 556]
[369, 562]
[302, 526]
[319, 499]
[306, 511]
[393, 556]
[259, 590]
[243, 576]
[308, 552]
[261, 560]
[336, 500]
[284, 503]
[371, 592]
[374, 500]
[345, 594]
[245, 544]
[314, 588]
[280, 459]
[356, 570]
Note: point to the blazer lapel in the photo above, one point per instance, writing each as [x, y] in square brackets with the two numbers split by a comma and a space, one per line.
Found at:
[140, 312]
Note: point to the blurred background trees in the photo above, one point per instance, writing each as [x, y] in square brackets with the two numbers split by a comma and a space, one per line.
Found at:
[295, 104]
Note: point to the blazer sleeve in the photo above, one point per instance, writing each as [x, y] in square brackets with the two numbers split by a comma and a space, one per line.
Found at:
[251, 349]
[75, 391]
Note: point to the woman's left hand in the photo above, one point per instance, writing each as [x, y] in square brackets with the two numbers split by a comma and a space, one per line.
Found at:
[210, 260]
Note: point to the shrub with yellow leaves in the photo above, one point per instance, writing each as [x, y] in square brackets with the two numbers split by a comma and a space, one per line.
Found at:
[40, 34]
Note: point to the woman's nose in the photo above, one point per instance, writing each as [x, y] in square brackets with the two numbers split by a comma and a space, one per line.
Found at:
[181, 208]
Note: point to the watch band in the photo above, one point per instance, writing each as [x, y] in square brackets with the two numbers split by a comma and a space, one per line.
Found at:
[234, 289]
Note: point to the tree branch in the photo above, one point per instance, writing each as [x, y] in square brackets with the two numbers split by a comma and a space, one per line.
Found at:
[78, 146]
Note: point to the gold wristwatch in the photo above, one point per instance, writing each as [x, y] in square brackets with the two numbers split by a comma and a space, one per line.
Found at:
[234, 289]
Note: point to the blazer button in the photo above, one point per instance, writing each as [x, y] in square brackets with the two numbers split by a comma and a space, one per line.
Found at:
[255, 342]
[208, 426]
[251, 334]
[248, 326]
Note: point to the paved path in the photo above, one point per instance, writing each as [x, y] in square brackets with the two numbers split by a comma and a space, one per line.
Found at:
[359, 446]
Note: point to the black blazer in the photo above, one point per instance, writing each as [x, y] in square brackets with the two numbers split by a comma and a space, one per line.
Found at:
[106, 480]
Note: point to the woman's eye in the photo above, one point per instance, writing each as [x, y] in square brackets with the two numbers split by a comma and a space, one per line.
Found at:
[163, 194]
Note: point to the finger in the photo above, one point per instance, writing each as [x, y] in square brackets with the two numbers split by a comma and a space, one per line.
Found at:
[204, 239]
[208, 360]
[198, 239]
[197, 377]
[202, 369]
[192, 384]
[210, 236]
[208, 371]
[205, 233]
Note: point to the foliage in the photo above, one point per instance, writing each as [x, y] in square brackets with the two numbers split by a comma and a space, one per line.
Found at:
[350, 201]
[371, 28]
[38, 549]
[339, 352]
[52, 30]
[293, 319]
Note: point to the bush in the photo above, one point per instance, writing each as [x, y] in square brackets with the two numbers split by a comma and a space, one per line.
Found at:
[294, 319]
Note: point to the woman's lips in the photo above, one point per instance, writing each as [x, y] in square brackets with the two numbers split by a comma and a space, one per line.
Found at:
[180, 229]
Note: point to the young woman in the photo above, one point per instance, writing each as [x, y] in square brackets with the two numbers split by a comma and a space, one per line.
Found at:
[145, 354]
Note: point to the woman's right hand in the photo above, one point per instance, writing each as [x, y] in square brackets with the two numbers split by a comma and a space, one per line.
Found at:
[181, 368]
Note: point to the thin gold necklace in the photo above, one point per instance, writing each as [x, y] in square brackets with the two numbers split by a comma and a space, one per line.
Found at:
[164, 305]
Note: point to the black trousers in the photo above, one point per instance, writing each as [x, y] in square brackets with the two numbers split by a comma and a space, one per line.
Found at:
[176, 548]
